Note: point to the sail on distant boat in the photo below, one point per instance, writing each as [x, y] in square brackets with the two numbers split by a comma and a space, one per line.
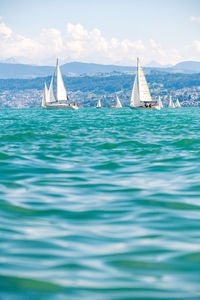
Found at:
[51, 98]
[171, 103]
[177, 103]
[98, 104]
[45, 95]
[140, 97]
[58, 100]
[118, 103]
[160, 104]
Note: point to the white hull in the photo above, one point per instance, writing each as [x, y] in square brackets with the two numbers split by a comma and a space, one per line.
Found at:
[61, 106]
[115, 107]
[143, 107]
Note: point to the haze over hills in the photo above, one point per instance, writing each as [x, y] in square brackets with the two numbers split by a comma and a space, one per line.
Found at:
[13, 70]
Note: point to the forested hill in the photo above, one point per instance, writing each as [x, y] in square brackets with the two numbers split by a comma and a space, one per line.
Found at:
[107, 83]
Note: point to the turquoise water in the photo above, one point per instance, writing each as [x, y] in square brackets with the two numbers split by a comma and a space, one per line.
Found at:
[100, 204]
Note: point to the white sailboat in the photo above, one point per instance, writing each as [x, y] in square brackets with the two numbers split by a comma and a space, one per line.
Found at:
[177, 103]
[118, 103]
[98, 104]
[140, 97]
[160, 104]
[171, 103]
[58, 101]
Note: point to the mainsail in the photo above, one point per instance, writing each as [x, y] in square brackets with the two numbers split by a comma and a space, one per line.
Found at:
[140, 92]
[171, 103]
[118, 105]
[177, 104]
[60, 91]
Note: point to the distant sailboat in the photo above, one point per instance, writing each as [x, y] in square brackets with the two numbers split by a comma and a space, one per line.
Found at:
[58, 101]
[177, 104]
[98, 104]
[160, 104]
[171, 103]
[118, 103]
[140, 97]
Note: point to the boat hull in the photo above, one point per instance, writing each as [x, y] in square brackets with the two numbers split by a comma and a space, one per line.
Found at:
[115, 107]
[143, 107]
[61, 106]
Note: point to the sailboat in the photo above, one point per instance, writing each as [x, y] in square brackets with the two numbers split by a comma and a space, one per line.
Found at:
[58, 101]
[98, 104]
[177, 104]
[160, 104]
[140, 97]
[118, 103]
[171, 103]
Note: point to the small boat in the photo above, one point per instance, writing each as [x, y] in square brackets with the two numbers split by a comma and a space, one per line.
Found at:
[177, 104]
[60, 100]
[118, 103]
[140, 97]
[160, 104]
[98, 104]
[171, 103]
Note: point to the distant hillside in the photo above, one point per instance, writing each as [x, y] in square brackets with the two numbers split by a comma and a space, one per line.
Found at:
[91, 68]
[13, 70]
[193, 66]
[10, 70]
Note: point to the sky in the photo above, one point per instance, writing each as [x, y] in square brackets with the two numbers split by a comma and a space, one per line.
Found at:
[99, 31]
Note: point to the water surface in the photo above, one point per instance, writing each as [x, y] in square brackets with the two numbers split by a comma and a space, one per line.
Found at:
[100, 204]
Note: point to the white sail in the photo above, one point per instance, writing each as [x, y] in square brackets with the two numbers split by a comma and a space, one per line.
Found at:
[45, 95]
[99, 104]
[51, 97]
[171, 103]
[140, 92]
[160, 104]
[135, 100]
[60, 88]
[143, 86]
[177, 104]
[118, 105]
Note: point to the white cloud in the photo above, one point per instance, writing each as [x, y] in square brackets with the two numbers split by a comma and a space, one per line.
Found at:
[194, 19]
[79, 44]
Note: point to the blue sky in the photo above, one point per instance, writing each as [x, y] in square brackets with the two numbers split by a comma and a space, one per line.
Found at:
[100, 31]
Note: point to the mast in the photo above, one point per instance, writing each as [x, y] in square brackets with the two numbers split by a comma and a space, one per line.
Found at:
[61, 93]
